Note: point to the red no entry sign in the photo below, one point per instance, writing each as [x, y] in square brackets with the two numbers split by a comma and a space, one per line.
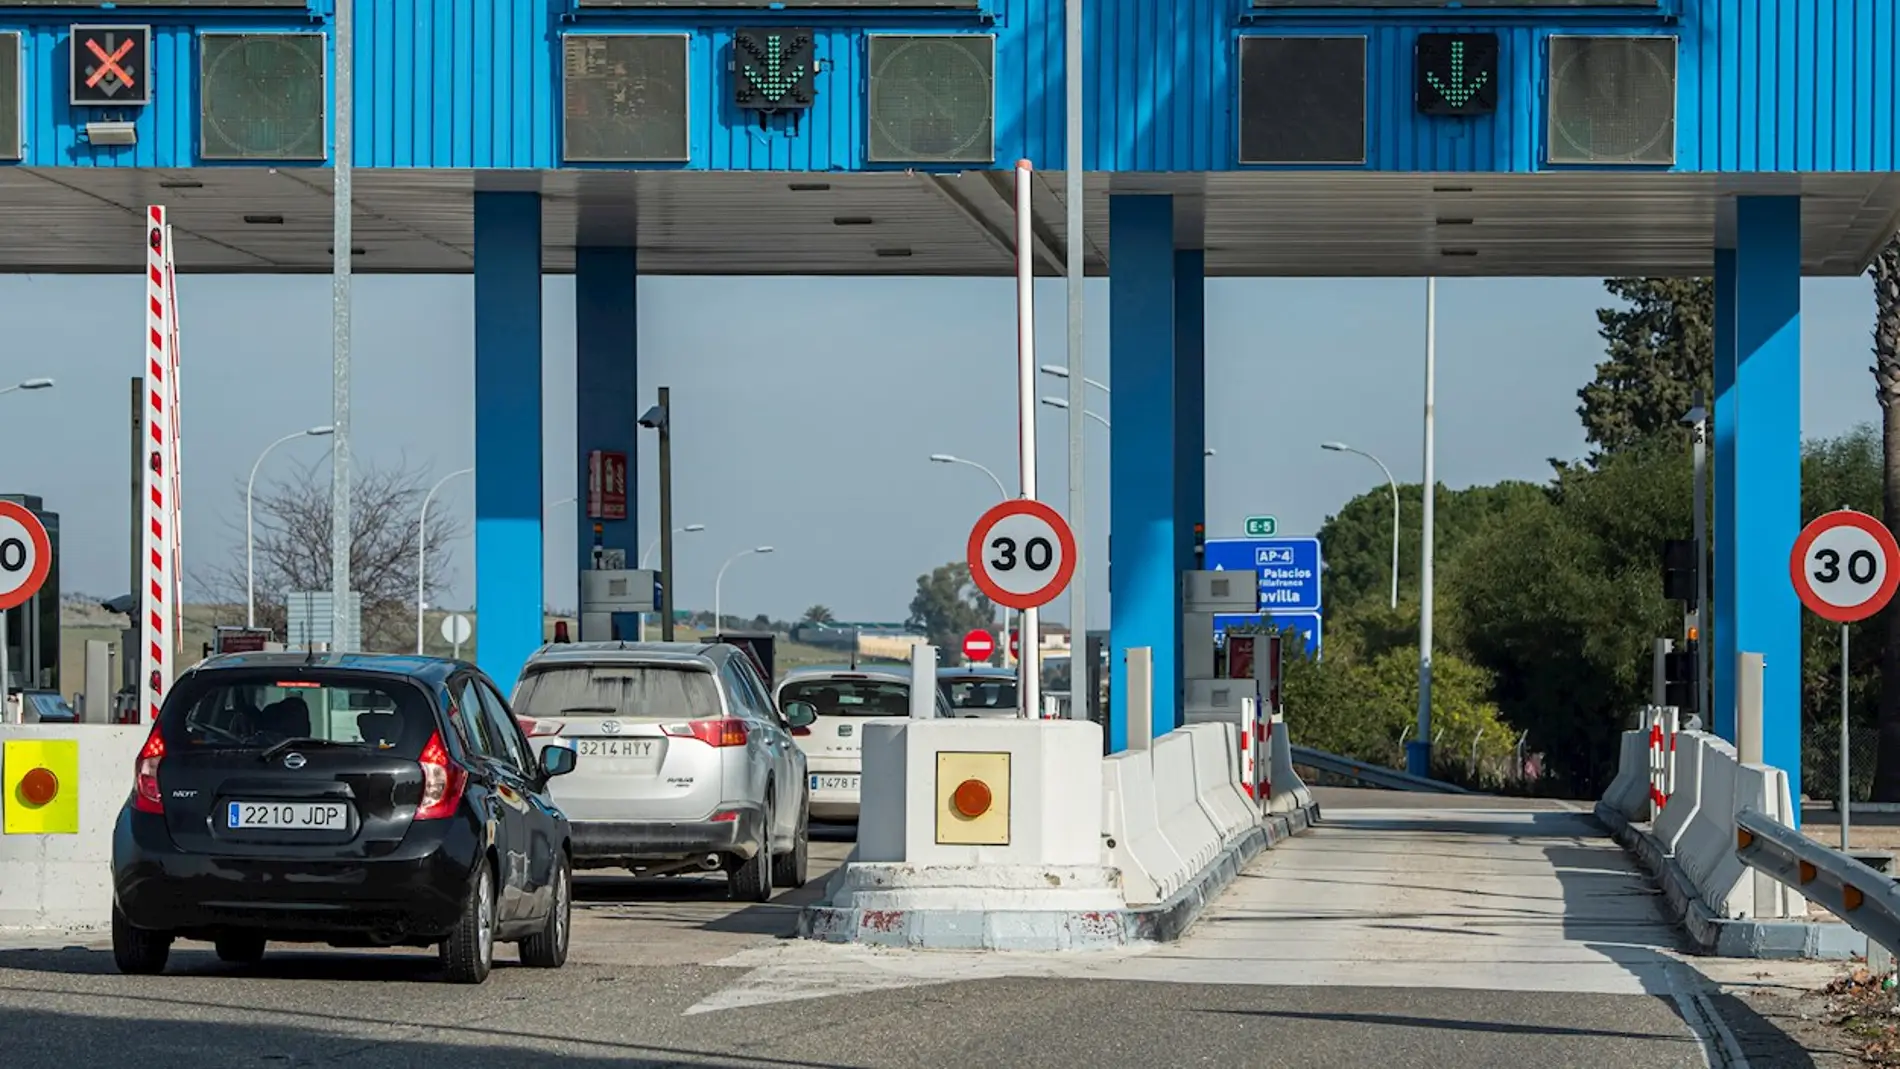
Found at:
[978, 646]
[1845, 566]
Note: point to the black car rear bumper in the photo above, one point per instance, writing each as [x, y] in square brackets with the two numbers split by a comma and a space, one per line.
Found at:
[614, 842]
[413, 893]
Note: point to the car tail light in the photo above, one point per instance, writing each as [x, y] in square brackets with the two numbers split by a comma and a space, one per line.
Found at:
[537, 728]
[145, 796]
[801, 732]
[725, 732]
[442, 781]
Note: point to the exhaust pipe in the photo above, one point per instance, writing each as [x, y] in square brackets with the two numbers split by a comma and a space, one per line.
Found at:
[710, 862]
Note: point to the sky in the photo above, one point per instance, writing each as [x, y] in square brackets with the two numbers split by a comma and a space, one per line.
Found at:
[805, 410]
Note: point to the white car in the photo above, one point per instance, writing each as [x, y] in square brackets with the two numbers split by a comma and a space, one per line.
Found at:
[845, 699]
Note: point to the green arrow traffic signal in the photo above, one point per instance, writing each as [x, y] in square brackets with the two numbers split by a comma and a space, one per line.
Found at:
[771, 82]
[1457, 89]
[1457, 73]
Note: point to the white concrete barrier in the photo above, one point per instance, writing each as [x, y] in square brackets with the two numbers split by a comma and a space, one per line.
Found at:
[64, 880]
[1217, 778]
[1189, 829]
[1685, 804]
[1287, 792]
[1150, 867]
[1628, 793]
[1695, 831]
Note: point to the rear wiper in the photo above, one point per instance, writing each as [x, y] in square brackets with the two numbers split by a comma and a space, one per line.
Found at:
[276, 748]
[590, 709]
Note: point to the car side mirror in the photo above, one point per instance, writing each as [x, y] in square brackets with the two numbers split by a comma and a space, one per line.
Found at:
[557, 761]
[801, 714]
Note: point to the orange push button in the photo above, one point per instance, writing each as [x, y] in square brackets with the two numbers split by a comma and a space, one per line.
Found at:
[972, 798]
[39, 786]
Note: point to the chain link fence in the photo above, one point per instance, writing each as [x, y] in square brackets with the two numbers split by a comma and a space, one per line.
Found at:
[1821, 761]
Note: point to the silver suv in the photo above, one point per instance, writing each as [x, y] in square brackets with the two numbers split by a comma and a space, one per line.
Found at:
[688, 765]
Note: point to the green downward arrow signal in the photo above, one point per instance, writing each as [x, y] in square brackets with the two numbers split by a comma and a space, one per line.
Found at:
[771, 82]
[1461, 89]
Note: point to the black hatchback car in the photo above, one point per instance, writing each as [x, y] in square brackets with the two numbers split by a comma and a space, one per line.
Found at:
[357, 800]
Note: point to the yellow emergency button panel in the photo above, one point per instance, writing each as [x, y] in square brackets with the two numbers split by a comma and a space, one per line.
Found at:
[972, 798]
[39, 786]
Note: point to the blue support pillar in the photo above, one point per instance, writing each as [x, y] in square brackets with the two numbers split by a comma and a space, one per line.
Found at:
[1767, 470]
[1722, 652]
[1143, 472]
[606, 398]
[508, 497]
[1190, 422]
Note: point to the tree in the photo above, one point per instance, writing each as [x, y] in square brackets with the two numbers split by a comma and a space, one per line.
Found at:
[1660, 350]
[293, 548]
[948, 605]
[1358, 539]
[1366, 708]
[1886, 369]
[819, 614]
[1561, 599]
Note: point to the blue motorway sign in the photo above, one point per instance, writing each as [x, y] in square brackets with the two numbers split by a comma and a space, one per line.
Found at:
[1288, 567]
[1308, 624]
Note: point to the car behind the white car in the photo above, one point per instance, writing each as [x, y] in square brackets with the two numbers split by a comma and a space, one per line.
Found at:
[846, 701]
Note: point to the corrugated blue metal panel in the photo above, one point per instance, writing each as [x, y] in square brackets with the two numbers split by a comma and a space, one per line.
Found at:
[1763, 85]
[477, 83]
[458, 83]
[167, 127]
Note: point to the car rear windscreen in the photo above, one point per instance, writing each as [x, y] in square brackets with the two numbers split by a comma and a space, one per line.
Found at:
[982, 693]
[258, 709]
[662, 692]
[850, 697]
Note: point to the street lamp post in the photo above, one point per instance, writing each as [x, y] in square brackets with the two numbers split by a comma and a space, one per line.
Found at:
[29, 384]
[691, 528]
[719, 580]
[660, 418]
[1057, 402]
[422, 549]
[1419, 751]
[648, 552]
[1003, 492]
[1342, 447]
[250, 540]
[1060, 372]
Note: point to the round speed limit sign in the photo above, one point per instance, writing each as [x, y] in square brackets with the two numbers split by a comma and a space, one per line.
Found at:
[1845, 566]
[26, 554]
[1022, 554]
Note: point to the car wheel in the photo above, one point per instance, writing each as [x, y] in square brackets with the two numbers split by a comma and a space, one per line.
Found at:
[240, 949]
[547, 948]
[788, 870]
[137, 951]
[751, 880]
[469, 951]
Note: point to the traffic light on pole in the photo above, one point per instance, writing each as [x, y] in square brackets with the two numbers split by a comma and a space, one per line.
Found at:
[1679, 583]
[1681, 675]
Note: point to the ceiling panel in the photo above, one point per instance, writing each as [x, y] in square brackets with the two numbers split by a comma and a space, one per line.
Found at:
[1263, 224]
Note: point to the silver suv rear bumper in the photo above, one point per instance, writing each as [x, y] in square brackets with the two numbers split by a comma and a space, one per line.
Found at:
[601, 843]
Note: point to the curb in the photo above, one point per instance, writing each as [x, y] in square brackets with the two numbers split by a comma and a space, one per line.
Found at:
[1721, 936]
[1045, 930]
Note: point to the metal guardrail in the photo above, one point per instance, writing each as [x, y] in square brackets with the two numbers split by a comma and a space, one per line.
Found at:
[1857, 893]
[1390, 779]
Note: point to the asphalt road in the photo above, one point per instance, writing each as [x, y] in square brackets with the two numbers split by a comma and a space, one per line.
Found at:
[669, 973]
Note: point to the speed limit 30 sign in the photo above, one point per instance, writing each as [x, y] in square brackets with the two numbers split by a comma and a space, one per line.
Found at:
[1845, 566]
[1022, 554]
[26, 554]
